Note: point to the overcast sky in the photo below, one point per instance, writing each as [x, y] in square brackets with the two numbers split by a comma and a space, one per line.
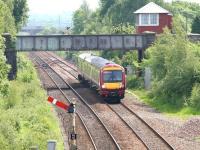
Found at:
[197, 1]
[57, 6]
[42, 11]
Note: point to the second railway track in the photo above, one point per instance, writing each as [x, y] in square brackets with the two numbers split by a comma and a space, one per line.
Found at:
[98, 131]
[148, 135]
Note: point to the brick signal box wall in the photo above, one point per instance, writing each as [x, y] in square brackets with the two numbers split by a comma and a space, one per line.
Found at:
[164, 20]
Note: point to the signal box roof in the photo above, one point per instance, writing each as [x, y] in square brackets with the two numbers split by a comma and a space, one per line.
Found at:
[151, 8]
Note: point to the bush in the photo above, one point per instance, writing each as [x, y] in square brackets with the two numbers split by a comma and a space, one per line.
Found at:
[4, 68]
[195, 96]
[175, 65]
[134, 82]
[14, 96]
[25, 117]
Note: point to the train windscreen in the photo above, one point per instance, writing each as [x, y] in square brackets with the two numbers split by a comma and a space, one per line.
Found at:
[112, 76]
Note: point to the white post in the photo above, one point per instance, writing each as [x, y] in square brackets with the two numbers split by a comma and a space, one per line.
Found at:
[73, 135]
[51, 145]
[147, 78]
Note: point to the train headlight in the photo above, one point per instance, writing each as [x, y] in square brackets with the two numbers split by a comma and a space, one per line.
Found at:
[121, 85]
[103, 86]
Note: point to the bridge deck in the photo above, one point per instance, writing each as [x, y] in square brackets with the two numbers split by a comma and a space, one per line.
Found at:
[83, 42]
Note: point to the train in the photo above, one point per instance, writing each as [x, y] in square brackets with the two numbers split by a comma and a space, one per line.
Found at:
[106, 76]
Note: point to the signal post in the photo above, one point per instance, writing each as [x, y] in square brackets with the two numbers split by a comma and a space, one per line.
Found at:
[70, 109]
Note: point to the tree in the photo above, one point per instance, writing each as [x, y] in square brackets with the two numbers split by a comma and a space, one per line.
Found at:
[49, 30]
[20, 11]
[121, 12]
[105, 5]
[7, 23]
[175, 65]
[80, 18]
[196, 25]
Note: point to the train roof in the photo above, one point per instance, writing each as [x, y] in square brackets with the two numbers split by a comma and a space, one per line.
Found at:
[95, 60]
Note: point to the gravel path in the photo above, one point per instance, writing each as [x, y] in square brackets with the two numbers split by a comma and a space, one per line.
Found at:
[182, 134]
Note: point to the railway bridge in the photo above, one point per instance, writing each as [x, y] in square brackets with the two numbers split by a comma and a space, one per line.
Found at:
[123, 42]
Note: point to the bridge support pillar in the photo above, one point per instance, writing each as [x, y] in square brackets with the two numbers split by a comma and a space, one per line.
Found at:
[140, 57]
[11, 56]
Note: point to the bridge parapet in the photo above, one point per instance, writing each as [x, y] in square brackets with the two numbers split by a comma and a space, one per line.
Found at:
[83, 42]
[79, 42]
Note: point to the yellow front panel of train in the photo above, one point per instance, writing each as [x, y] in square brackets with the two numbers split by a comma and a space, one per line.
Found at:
[112, 68]
[112, 86]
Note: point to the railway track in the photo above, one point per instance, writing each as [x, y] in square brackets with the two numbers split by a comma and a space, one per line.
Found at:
[140, 127]
[125, 136]
[60, 87]
[99, 134]
[152, 139]
[73, 70]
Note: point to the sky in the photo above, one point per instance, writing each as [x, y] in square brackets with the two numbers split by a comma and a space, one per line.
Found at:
[59, 6]
[196, 1]
[59, 12]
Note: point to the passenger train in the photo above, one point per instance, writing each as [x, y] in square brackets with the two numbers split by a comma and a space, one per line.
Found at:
[108, 77]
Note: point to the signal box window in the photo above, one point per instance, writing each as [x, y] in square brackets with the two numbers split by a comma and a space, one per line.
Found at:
[144, 19]
[149, 19]
[153, 19]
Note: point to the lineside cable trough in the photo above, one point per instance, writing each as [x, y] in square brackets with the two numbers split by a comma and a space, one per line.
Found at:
[70, 109]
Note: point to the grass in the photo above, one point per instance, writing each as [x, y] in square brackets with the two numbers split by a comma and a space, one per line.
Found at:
[61, 54]
[26, 118]
[163, 106]
[197, 139]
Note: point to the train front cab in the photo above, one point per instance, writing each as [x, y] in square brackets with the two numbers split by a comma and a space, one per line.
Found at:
[112, 82]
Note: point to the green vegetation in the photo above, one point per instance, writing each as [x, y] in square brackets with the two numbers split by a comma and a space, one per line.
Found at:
[197, 139]
[7, 25]
[13, 14]
[186, 11]
[25, 116]
[7, 21]
[116, 16]
[175, 66]
[162, 106]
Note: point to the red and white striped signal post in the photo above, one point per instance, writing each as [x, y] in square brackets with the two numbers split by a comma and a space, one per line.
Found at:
[70, 109]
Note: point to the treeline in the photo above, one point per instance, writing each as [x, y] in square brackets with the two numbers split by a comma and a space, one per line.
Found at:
[117, 16]
[13, 14]
[25, 117]
[175, 65]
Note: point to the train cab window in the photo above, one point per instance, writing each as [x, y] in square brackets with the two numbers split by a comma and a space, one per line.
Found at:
[112, 76]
